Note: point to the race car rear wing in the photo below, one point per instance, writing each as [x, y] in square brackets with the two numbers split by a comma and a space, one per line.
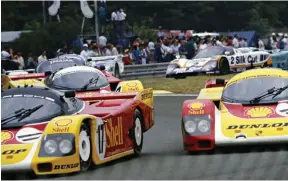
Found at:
[215, 83]
[29, 76]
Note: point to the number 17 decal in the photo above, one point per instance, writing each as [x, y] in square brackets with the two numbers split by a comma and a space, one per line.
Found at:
[101, 139]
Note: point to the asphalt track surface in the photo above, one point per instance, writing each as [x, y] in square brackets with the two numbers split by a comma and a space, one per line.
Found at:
[163, 156]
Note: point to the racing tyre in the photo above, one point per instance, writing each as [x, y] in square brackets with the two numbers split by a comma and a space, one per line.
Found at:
[116, 71]
[137, 133]
[85, 147]
[224, 67]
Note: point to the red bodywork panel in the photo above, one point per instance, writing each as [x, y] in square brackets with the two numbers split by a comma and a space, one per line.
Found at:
[117, 109]
[198, 108]
[212, 83]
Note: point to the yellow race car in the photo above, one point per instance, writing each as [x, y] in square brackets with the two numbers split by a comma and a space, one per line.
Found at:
[50, 132]
[251, 108]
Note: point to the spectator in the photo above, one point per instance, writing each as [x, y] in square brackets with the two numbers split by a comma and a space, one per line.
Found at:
[235, 41]
[166, 50]
[160, 33]
[182, 35]
[158, 55]
[230, 41]
[94, 52]
[274, 43]
[102, 17]
[261, 45]
[241, 42]
[245, 42]
[102, 40]
[202, 45]
[29, 62]
[113, 49]
[136, 54]
[143, 54]
[182, 49]
[42, 57]
[121, 19]
[6, 60]
[20, 60]
[175, 48]
[146, 48]
[34, 63]
[84, 52]
[218, 42]
[285, 40]
[107, 51]
[114, 20]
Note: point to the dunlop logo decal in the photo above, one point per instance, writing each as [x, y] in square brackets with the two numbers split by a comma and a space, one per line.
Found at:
[251, 126]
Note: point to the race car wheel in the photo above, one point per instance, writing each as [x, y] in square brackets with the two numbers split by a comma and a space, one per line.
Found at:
[84, 147]
[224, 67]
[116, 71]
[137, 133]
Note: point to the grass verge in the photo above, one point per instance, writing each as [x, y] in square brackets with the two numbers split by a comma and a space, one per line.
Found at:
[190, 85]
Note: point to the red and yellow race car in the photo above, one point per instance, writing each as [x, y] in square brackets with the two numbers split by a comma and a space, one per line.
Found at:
[250, 108]
[85, 80]
[51, 132]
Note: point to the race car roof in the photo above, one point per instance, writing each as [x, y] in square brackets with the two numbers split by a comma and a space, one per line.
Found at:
[39, 92]
[257, 73]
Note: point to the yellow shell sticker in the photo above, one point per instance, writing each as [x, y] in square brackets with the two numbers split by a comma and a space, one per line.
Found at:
[132, 84]
[196, 105]
[5, 136]
[63, 122]
[259, 112]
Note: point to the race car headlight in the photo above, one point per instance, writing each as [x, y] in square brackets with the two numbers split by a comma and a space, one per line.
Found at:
[210, 66]
[190, 126]
[204, 126]
[197, 124]
[57, 145]
[50, 146]
[65, 146]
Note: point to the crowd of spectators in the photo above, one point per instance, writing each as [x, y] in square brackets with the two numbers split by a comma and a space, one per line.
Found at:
[15, 61]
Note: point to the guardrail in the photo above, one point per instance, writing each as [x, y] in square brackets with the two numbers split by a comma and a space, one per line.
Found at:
[144, 71]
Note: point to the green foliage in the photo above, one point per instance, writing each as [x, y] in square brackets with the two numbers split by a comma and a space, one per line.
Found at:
[50, 37]
[261, 26]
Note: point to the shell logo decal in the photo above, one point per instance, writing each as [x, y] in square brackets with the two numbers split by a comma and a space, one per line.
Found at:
[259, 112]
[196, 105]
[6, 136]
[63, 122]
[131, 84]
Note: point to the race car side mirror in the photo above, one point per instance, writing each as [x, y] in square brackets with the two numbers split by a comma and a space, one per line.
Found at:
[69, 94]
[47, 73]
[227, 53]
[220, 81]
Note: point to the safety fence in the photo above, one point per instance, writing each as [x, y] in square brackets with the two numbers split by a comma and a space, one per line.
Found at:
[144, 71]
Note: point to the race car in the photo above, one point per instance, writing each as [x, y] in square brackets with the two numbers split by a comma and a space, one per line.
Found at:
[113, 64]
[251, 108]
[48, 132]
[218, 60]
[85, 80]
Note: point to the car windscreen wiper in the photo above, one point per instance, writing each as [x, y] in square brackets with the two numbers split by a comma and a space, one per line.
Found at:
[20, 114]
[270, 92]
[91, 81]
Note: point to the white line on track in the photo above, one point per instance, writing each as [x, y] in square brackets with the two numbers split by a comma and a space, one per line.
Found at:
[175, 95]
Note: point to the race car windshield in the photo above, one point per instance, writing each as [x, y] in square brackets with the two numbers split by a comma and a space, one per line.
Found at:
[55, 65]
[245, 90]
[210, 52]
[77, 80]
[14, 105]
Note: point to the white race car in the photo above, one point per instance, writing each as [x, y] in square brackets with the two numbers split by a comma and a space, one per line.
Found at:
[113, 64]
[218, 59]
